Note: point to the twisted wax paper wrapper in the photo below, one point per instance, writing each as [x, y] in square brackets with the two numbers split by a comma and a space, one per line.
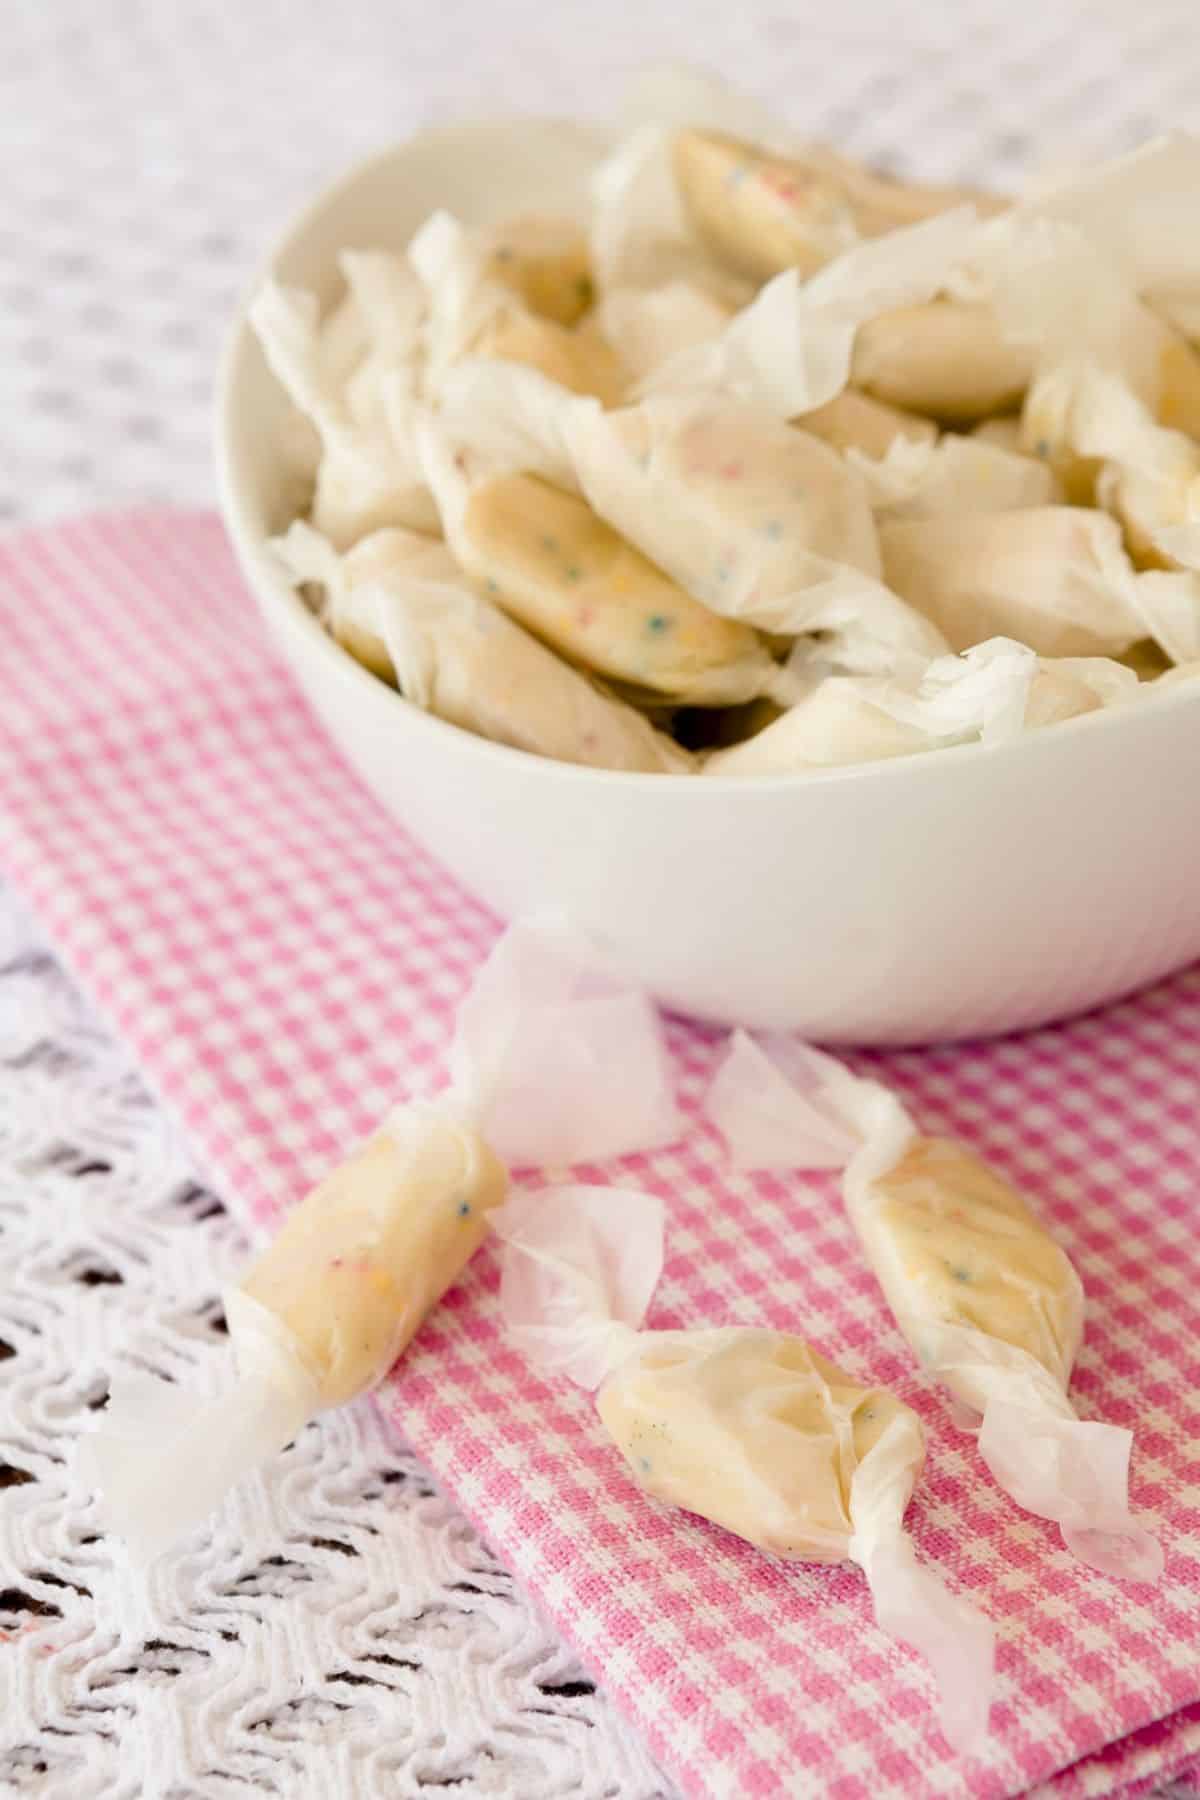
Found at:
[555, 1059]
[762, 524]
[990, 694]
[930, 1216]
[400, 605]
[747, 1427]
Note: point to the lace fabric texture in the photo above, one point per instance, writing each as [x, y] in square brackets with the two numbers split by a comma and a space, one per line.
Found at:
[341, 1630]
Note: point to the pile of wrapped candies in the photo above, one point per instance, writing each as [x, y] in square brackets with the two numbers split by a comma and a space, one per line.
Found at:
[768, 463]
[749, 1427]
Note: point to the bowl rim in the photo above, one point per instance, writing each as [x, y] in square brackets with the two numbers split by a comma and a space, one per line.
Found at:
[254, 553]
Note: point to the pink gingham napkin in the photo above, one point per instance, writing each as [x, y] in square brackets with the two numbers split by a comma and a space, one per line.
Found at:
[283, 961]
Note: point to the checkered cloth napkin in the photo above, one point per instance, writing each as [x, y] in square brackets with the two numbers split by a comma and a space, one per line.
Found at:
[283, 961]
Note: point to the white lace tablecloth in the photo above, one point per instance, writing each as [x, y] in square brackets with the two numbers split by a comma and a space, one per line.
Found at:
[345, 1632]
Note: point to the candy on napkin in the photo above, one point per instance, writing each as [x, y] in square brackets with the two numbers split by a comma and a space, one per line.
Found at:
[555, 1059]
[990, 694]
[989, 1303]
[400, 605]
[749, 1428]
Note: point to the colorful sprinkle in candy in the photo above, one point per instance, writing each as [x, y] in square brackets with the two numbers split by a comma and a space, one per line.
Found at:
[732, 471]
[773, 529]
[657, 623]
[573, 572]
[464, 1208]
[549, 543]
[737, 175]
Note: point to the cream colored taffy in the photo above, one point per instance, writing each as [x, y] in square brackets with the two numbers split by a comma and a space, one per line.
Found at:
[988, 1301]
[990, 694]
[640, 236]
[852, 421]
[792, 349]
[545, 557]
[543, 259]
[760, 522]
[763, 212]
[471, 311]
[1089, 422]
[954, 475]
[749, 1428]
[1056, 577]
[554, 1060]
[401, 605]
[942, 357]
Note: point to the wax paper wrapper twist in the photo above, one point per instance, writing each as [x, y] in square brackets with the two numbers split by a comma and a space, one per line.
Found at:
[748, 1427]
[988, 1301]
[555, 1059]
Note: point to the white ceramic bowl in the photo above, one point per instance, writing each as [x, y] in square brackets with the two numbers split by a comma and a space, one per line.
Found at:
[970, 891]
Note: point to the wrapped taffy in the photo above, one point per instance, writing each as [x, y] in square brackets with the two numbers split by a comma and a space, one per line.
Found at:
[641, 237]
[750, 1428]
[647, 326]
[760, 522]
[1090, 423]
[1056, 577]
[548, 560]
[792, 348]
[853, 421]
[472, 310]
[948, 318]
[762, 212]
[990, 694]
[401, 607]
[1064, 296]
[359, 401]
[914, 480]
[335, 1297]
[543, 258]
[347, 582]
[989, 1303]
[1140, 208]
[945, 357]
